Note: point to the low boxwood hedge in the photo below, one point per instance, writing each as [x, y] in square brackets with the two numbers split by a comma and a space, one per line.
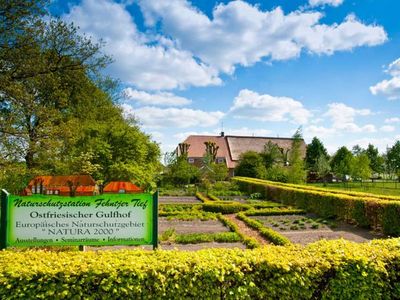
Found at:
[365, 211]
[324, 270]
[225, 207]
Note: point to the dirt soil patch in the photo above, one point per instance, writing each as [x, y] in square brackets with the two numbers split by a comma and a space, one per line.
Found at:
[194, 226]
[308, 229]
[178, 200]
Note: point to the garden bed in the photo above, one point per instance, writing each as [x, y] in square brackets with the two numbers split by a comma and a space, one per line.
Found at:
[308, 229]
[193, 226]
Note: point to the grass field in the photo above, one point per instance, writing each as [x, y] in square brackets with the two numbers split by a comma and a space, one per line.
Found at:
[380, 187]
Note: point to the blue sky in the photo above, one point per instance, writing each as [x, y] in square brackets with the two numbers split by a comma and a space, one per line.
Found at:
[259, 68]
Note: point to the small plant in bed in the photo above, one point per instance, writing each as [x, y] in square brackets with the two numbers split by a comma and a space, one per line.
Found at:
[314, 226]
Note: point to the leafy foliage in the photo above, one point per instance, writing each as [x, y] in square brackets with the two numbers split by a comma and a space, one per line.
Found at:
[250, 165]
[57, 115]
[315, 150]
[296, 173]
[342, 162]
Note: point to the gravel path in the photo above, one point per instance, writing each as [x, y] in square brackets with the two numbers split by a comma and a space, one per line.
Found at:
[243, 228]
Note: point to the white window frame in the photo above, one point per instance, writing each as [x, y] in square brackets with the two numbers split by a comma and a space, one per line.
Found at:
[191, 160]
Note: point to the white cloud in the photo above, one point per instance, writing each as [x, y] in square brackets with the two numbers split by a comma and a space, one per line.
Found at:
[334, 3]
[394, 68]
[388, 88]
[251, 105]
[245, 131]
[392, 120]
[388, 128]
[319, 131]
[343, 116]
[139, 60]
[183, 135]
[160, 98]
[155, 117]
[240, 33]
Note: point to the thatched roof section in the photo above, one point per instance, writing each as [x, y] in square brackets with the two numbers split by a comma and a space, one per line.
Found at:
[240, 144]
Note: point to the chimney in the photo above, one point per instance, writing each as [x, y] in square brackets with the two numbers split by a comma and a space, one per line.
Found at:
[222, 133]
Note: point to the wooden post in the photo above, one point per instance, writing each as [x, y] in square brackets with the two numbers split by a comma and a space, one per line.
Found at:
[3, 219]
[155, 220]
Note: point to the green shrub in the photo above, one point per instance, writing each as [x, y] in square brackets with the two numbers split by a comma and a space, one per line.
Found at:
[255, 196]
[324, 270]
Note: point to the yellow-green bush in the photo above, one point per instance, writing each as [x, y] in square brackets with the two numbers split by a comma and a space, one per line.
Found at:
[366, 211]
[321, 189]
[324, 270]
[225, 207]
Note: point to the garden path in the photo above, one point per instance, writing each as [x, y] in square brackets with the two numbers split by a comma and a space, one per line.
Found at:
[247, 230]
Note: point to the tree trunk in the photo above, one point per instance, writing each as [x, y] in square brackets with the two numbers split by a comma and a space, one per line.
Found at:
[30, 164]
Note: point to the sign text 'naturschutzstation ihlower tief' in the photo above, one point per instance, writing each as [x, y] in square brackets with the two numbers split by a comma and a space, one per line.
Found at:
[119, 219]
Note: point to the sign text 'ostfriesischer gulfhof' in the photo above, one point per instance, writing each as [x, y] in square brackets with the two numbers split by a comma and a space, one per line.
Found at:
[109, 219]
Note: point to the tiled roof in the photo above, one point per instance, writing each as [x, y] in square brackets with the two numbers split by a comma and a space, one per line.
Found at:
[231, 147]
[79, 189]
[57, 181]
[116, 186]
[198, 148]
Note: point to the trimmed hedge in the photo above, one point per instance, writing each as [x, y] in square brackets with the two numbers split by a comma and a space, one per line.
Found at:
[324, 270]
[196, 238]
[266, 232]
[374, 213]
[274, 212]
[202, 197]
[321, 189]
[225, 207]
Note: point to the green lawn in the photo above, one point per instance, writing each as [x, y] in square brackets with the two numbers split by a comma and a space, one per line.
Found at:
[382, 188]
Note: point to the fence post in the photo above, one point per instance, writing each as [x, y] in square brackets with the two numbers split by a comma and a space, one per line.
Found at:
[155, 220]
[3, 219]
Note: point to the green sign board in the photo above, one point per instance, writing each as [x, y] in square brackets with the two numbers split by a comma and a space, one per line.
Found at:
[109, 219]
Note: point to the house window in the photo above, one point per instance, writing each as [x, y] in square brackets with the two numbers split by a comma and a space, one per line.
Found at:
[220, 160]
[191, 160]
[121, 191]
